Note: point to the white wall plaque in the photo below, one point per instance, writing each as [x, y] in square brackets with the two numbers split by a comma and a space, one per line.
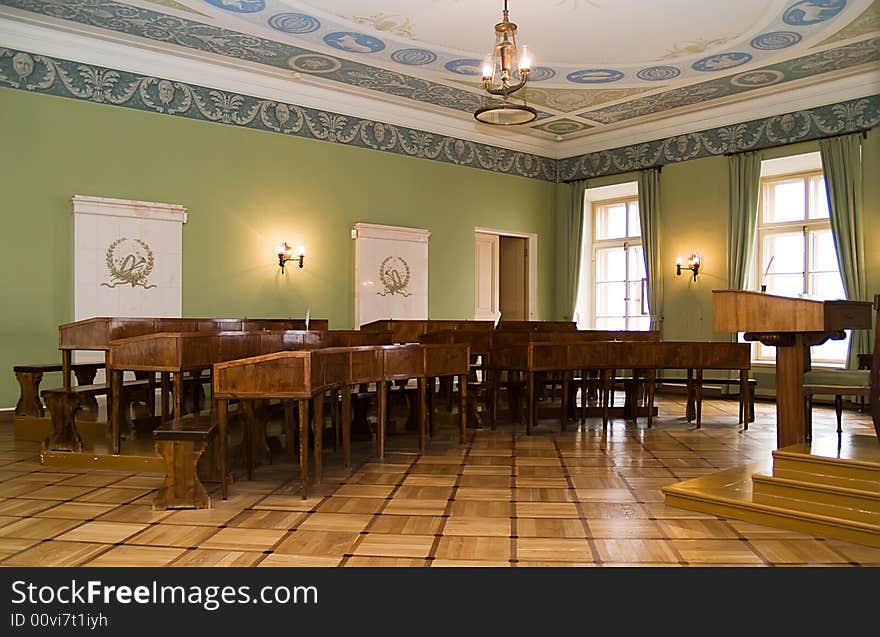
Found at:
[127, 258]
[391, 273]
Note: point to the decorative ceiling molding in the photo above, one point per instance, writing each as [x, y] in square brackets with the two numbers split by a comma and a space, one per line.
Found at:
[66, 78]
[824, 121]
[239, 38]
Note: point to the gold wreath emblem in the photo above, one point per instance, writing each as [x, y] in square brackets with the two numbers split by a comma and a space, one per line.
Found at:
[394, 274]
[129, 261]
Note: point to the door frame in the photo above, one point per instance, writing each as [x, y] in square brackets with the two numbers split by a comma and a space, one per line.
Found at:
[532, 281]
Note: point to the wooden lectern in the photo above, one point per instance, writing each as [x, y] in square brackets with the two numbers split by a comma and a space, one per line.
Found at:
[791, 325]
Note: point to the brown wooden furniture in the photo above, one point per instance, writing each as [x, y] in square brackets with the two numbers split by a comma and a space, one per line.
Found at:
[303, 377]
[409, 331]
[173, 353]
[534, 357]
[841, 382]
[97, 332]
[29, 378]
[181, 443]
[792, 326]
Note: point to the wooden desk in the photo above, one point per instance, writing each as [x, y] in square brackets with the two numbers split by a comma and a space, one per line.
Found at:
[792, 326]
[304, 376]
[533, 357]
[97, 332]
[173, 353]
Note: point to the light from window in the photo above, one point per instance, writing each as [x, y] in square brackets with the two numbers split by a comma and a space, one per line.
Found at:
[620, 301]
[796, 253]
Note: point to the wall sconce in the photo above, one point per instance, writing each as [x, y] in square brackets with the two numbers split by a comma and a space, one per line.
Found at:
[285, 254]
[693, 264]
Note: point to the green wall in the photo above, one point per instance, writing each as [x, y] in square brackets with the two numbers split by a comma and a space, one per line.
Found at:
[245, 191]
[694, 196]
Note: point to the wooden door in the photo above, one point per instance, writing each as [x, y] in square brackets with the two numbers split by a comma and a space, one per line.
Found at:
[513, 297]
[486, 258]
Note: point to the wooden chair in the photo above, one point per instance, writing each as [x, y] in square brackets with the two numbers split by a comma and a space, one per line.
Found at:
[844, 382]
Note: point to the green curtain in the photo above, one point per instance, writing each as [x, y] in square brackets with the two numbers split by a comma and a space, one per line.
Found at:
[744, 174]
[569, 239]
[842, 163]
[649, 217]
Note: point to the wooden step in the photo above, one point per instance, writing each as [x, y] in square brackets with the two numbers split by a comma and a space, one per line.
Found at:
[855, 458]
[870, 486]
[828, 500]
[730, 494]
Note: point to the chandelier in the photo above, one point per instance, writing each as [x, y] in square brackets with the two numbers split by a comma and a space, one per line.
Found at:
[505, 71]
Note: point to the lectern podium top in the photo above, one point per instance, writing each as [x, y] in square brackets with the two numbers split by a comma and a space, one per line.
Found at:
[746, 311]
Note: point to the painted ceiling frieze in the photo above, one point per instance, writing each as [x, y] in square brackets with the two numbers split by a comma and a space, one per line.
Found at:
[824, 121]
[868, 22]
[141, 22]
[798, 68]
[65, 78]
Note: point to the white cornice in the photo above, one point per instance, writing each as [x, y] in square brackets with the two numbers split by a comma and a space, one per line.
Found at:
[105, 206]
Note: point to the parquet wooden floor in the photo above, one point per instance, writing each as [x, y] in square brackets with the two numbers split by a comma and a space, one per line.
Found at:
[580, 498]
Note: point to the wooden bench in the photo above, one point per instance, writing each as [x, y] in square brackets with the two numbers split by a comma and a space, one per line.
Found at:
[63, 405]
[29, 378]
[180, 443]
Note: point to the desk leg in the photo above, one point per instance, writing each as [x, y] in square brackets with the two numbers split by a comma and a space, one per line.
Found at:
[423, 409]
[249, 422]
[164, 390]
[222, 428]
[744, 398]
[66, 360]
[116, 407]
[304, 448]
[289, 418]
[650, 388]
[318, 419]
[177, 394]
[462, 408]
[698, 403]
[530, 401]
[346, 426]
[563, 417]
[381, 417]
[690, 411]
[605, 392]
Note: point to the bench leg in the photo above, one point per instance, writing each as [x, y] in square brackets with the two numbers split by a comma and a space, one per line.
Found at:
[29, 403]
[85, 375]
[182, 487]
[64, 437]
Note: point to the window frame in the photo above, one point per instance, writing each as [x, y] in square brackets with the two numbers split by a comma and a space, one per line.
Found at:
[628, 242]
[804, 226]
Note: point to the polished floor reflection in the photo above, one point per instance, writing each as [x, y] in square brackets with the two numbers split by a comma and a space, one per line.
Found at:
[582, 498]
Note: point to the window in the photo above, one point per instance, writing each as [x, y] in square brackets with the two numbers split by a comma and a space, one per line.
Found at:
[620, 286]
[796, 254]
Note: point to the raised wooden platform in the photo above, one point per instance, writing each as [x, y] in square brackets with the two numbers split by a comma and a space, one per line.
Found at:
[822, 488]
[137, 455]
